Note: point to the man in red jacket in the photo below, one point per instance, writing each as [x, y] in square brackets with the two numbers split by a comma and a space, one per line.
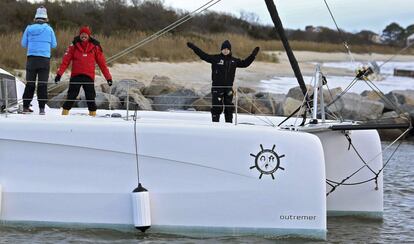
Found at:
[83, 54]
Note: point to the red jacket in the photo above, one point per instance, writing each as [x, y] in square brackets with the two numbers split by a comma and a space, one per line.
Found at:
[83, 60]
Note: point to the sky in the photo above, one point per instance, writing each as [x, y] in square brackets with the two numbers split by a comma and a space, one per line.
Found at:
[351, 15]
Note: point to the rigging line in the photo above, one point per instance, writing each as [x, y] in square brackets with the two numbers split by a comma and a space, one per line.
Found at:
[167, 28]
[136, 142]
[340, 32]
[347, 178]
[358, 154]
[251, 101]
[163, 31]
[383, 96]
[389, 159]
[330, 182]
[385, 149]
[298, 110]
[332, 115]
[336, 107]
[303, 102]
[395, 55]
[257, 117]
[353, 82]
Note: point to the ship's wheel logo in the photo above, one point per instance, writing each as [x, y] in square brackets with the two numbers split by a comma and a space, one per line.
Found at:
[267, 161]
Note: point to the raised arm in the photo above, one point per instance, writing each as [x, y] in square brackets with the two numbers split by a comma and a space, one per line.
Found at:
[204, 56]
[249, 60]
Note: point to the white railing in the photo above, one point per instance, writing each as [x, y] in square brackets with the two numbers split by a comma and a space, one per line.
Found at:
[128, 104]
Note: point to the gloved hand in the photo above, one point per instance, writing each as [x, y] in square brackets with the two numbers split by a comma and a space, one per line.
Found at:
[190, 45]
[109, 82]
[256, 51]
[57, 78]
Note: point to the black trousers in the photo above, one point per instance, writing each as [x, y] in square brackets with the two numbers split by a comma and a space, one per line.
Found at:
[37, 69]
[222, 97]
[75, 85]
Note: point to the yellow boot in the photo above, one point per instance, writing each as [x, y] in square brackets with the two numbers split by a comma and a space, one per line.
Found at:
[65, 112]
[92, 113]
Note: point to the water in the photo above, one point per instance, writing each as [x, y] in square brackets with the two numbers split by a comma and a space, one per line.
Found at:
[396, 227]
[388, 83]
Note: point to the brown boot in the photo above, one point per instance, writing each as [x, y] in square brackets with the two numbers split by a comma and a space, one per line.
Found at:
[27, 111]
[65, 112]
[92, 113]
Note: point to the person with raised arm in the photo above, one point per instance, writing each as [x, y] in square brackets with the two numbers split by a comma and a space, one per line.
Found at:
[223, 67]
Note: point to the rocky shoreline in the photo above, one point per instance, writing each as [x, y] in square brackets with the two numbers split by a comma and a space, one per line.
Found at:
[162, 94]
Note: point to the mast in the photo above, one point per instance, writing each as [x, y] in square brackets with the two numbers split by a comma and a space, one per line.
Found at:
[292, 59]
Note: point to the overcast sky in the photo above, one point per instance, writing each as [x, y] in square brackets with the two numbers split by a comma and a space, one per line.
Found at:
[351, 15]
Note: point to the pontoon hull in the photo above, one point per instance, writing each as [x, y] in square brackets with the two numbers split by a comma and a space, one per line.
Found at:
[201, 177]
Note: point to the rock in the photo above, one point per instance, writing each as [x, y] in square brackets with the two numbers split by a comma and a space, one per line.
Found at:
[406, 108]
[105, 88]
[268, 103]
[245, 90]
[352, 106]
[279, 100]
[102, 101]
[245, 103]
[121, 87]
[330, 95]
[160, 85]
[120, 90]
[137, 100]
[290, 105]
[179, 100]
[399, 97]
[371, 95]
[57, 101]
[202, 104]
[297, 94]
[98, 88]
[107, 101]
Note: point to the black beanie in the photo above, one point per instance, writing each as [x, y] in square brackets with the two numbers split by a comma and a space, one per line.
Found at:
[226, 44]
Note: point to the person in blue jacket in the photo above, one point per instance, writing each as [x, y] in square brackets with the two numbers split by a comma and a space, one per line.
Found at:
[38, 38]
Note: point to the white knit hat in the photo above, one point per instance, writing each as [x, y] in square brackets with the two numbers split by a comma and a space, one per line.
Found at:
[41, 13]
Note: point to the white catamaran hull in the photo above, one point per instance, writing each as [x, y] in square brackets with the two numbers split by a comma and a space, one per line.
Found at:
[200, 177]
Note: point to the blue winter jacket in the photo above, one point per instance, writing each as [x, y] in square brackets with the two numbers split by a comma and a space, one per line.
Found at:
[39, 38]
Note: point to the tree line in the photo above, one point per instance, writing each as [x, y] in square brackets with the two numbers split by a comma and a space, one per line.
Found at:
[111, 17]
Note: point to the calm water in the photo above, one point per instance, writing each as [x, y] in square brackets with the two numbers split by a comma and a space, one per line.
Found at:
[397, 226]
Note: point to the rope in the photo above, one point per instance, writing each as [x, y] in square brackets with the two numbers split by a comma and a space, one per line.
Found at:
[165, 30]
[382, 95]
[395, 55]
[340, 32]
[136, 143]
[336, 107]
[251, 101]
[366, 164]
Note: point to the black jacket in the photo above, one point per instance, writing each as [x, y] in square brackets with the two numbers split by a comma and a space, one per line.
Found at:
[223, 68]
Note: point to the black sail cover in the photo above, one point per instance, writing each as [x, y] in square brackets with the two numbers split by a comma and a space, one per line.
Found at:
[281, 31]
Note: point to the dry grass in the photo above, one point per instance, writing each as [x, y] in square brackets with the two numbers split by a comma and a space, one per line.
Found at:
[167, 48]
